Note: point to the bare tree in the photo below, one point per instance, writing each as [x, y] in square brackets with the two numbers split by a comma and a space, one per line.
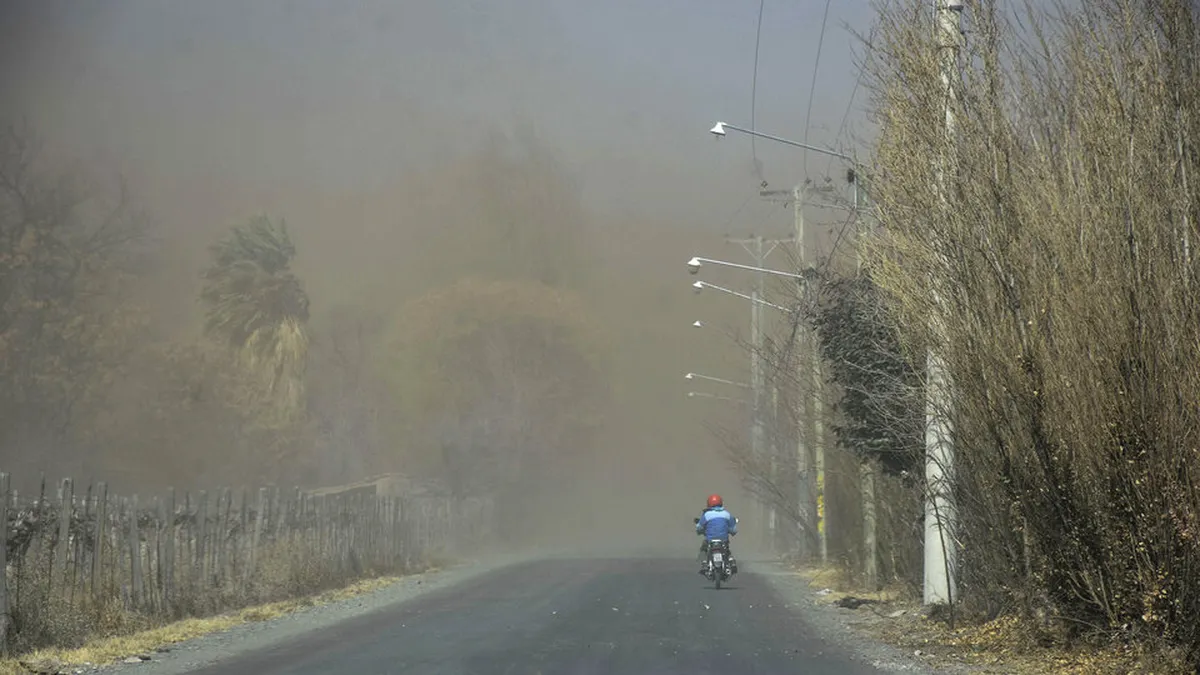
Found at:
[66, 255]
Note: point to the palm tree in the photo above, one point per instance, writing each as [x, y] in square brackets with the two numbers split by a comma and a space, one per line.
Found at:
[257, 306]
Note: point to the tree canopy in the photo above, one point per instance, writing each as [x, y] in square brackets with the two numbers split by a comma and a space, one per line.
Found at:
[881, 401]
[256, 305]
[66, 326]
[490, 377]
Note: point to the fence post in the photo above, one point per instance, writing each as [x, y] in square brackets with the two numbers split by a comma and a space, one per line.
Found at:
[258, 529]
[188, 533]
[378, 539]
[224, 558]
[101, 534]
[162, 542]
[406, 533]
[153, 558]
[389, 533]
[58, 573]
[325, 515]
[5, 616]
[172, 542]
[243, 542]
[216, 539]
[344, 530]
[80, 567]
[36, 548]
[135, 554]
[277, 509]
[368, 504]
[400, 536]
[121, 549]
[198, 564]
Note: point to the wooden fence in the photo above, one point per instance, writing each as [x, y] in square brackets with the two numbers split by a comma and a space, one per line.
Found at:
[82, 561]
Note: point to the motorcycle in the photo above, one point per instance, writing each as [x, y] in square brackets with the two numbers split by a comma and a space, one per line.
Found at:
[718, 566]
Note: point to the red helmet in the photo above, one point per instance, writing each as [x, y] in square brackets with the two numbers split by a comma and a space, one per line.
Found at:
[715, 500]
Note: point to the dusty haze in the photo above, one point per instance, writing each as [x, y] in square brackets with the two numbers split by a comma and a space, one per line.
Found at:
[363, 124]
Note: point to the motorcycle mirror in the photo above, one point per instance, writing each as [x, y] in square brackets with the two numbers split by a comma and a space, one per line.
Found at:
[697, 520]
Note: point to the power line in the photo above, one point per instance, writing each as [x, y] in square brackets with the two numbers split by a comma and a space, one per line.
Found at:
[851, 219]
[754, 93]
[850, 104]
[739, 210]
[845, 116]
[812, 89]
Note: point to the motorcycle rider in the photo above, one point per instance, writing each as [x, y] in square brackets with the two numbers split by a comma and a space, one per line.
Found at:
[716, 523]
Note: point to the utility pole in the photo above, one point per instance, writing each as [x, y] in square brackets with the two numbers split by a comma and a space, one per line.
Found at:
[809, 369]
[754, 246]
[756, 381]
[775, 454]
[941, 555]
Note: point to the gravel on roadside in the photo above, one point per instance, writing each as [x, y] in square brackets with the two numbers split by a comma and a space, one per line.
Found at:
[835, 624]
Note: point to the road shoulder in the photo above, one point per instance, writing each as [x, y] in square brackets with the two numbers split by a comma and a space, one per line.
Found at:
[843, 627]
[896, 629]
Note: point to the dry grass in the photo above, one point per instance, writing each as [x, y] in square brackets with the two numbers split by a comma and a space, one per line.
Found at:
[836, 583]
[1009, 645]
[115, 648]
[1004, 645]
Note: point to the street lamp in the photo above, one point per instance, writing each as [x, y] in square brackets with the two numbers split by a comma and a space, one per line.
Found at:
[695, 376]
[719, 131]
[696, 263]
[756, 430]
[852, 177]
[701, 285]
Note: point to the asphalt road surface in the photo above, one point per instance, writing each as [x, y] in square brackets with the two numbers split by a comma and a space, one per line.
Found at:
[568, 616]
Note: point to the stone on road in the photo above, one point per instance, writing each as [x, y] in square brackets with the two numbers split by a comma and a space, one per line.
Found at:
[568, 616]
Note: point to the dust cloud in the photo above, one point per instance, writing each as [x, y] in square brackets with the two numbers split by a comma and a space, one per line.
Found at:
[423, 150]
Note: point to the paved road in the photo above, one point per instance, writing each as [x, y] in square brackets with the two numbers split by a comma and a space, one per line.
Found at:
[568, 616]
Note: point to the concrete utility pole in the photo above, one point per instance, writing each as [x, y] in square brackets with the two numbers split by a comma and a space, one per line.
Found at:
[754, 246]
[814, 356]
[941, 554]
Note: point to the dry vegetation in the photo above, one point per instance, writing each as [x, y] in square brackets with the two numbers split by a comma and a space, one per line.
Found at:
[1063, 253]
[1056, 275]
[1003, 645]
[82, 568]
[478, 388]
[113, 648]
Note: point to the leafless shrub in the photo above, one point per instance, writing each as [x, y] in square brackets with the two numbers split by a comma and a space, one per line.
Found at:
[1062, 255]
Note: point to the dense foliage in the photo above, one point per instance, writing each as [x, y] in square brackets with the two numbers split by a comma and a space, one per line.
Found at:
[880, 404]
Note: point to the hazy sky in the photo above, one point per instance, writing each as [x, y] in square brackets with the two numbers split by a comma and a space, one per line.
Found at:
[318, 110]
[349, 92]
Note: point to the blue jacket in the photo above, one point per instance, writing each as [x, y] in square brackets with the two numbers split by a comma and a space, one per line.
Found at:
[716, 523]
